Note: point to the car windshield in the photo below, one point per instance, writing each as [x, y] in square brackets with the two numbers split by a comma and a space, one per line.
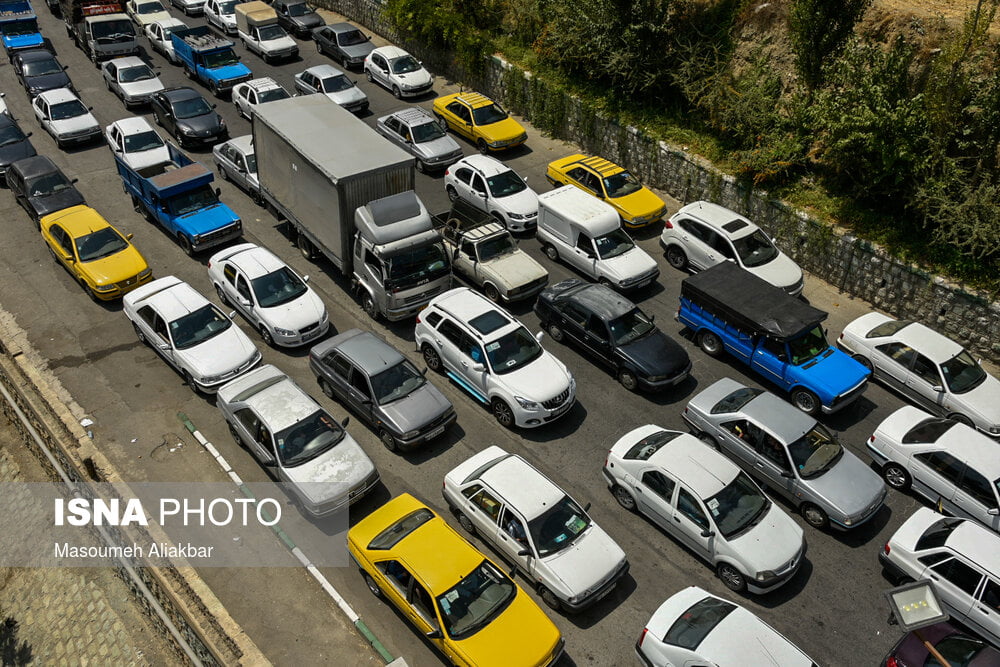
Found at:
[298, 9]
[269, 32]
[97, 245]
[278, 287]
[631, 326]
[335, 84]
[272, 95]
[493, 247]
[809, 346]
[227, 8]
[351, 37]
[397, 382]
[558, 527]
[815, 452]
[427, 262]
[150, 8]
[197, 327]
[512, 351]
[110, 32]
[137, 73]
[491, 113]
[755, 249]
[621, 184]
[505, 184]
[613, 244]
[143, 141]
[404, 65]
[426, 132]
[962, 373]
[46, 185]
[740, 505]
[475, 601]
[66, 110]
[220, 59]
[307, 439]
[25, 27]
[192, 107]
[167, 31]
[194, 200]
[42, 67]
[691, 627]
[10, 134]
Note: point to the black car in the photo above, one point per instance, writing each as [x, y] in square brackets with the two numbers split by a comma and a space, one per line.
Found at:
[38, 70]
[184, 113]
[344, 43]
[14, 144]
[40, 188]
[613, 330]
[297, 17]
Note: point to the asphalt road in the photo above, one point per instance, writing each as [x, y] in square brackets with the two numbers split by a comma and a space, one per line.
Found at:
[833, 608]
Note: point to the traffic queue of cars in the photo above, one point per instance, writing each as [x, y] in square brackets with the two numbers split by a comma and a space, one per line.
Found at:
[705, 489]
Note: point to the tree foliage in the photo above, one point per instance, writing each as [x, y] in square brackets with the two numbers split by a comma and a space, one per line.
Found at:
[819, 29]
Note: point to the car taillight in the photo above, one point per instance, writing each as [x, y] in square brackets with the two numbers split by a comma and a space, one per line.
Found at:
[607, 458]
[871, 439]
[418, 318]
[886, 549]
[447, 172]
[893, 661]
[642, 636]
[667, 224]
[841, 336]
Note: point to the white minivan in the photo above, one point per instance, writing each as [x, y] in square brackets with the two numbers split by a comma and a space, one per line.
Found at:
[586, 233]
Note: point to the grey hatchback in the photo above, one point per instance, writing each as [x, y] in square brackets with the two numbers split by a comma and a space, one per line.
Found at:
[383, 387]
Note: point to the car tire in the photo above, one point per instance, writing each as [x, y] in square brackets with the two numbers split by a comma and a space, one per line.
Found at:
[624, 498]
[372, 585]
[90, 292]
[551, 252]
[482, 147]
[556, 333]
[305, 247]
[452, 193]
[441, 120]
[731, 578]
[864, 361]
[499, 219]
[492, 293]
[368, 305]
[138, 333]
[421, 167]
[628, 380]
[503, 413]
[961, 419]
[549, 598]
[896, 476]
[431, 358]
[185, 244]
[368, 74]
[466, 523]
[189, 381]
[814, 516]
[396, 92]
[710, 343]
[676, 258]
[326, 388]
[319, 48]
[223, 174]
[236, 436]
[266, 336]
[388, 441]
[709, 440]
[805, 400]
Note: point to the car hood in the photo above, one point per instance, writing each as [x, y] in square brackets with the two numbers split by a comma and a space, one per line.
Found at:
[117, 267]
[223, 353]
[145, 19]
[523, 202]
[656, 353]
[56, 202]
[227, 72]
[23, 41]
[771, 543]
[542, 379]
[631, 264]
[349, 96]
[508, 128]
[780, 271]
[639, 204]
[40, 84]
[284, 42]
[209, 219]
[514, 268]
[521, 634]
[303, 311]
[355, 51]
[145, 87]
[141, 159]
[837, 371]
[207, 123]
[419, 78]
[11, 153]
[985, 401]
[441, 146]
[310, 20]
[414, 411]
[850, 485]
[76, 124]
[331, 475]
[591, 559]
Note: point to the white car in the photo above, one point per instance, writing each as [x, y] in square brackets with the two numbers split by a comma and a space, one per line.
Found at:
[144, 12]
[491, 186]
[705, 502]
[247, 95]
[492, 356]
[158, 33]
[136, 142]
[531, 522]
[64, 116]
[946, 462]
[703, 234]
[273, 298]
[222, 14]
[190, 333]
[190, 7]
[929, 369]
[131, 79]
[333, 83]
[693, 627]
[398, 71]
[237, 162]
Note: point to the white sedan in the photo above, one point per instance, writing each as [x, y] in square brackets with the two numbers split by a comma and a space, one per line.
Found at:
[273, 298]
[132, 80]
[64, 116]
[495, 188]
[190, 333]
[929, 369]
[693, 627]
[144, 12]
[158, 33]
[398, 71]
[247, 95]
[136, 142]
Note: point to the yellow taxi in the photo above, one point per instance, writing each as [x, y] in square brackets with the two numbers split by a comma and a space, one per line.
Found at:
[96, 254]
[480, 120]
[635, 203]
[465, 605]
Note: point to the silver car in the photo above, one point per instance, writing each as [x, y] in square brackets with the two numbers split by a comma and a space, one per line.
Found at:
[792, 453]
[296, 440]
[132, 80]
[333, 83]
[375, 381]
[237, 162]
[416, 132]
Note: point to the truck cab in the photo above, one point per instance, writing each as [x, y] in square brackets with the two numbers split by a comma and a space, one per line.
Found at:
[19, 27]
[100, 28]
[209, 58]
[399, 259]
[258, 28]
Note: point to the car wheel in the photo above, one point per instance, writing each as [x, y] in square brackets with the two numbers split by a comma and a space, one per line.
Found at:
[396, 92]
[709, 440]
[185, 244]
[257, 197]
[368, 74]
[676, 258]
[305, 246]
[504, 415]
[388, 441]
[483, 148]
[732, 578]
[266, 335]
[710, 343]
[628, 380]
[624, 498]
[107, 84]
[327, 388]
[499, 219]
[236, 436]
[372, 585]
[452, 194]
[805, 401]
[441, 121]
[961, 419]
[90, 292]
[551, 252]
[896, 476]
[189, 381]
[814, 516]
[420, 167]
[319, 48]
[864, 361]
[556, 333]
[431, 357]
[368, 305]
[492, 293]
[138, 333]
[223, 174]
[466, 523]
[549, 598]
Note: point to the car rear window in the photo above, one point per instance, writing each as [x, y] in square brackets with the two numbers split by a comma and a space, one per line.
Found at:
[693, 626]
[736, 400]
[929, 430]
[649, 445]
[888, 328]
[489, 322]
[392, 535]
[734, 225]
[937, 534]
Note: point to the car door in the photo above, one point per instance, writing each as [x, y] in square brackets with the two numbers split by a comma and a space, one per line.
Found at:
[393, 130]
[654, 494]
[957, 583]
[977, 498]
[770, 359]
[512, 540]
[572, 319]
[694, 235]
[381, 69]
[692, 520]
[773, 466]
[62, 246]
[40, 108]
[16, 184]
[734, 438]
[337, 371]
[245, 301]
[580, 177]
[483, 506]
[472, 365]
[256, 437]
[413, 601]
[153, 31]
[159, 335]
[892, 363]
[925, 385]
[582, 255]
[465, 261]
[359, 394]
[111, 75]
[936, 475]
[463, 184]
[597, 339]
[460, 119]
[985, 611]
[241, 175]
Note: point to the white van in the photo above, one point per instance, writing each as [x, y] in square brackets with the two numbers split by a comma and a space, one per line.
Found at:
[587, 234]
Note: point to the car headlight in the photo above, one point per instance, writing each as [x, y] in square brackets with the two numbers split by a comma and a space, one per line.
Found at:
[995, 429]
[848, 521]
[105, 288]
[145, 274]
[326, 318]
[196, 239]
[765, 575]
[410, 434]
[526, 404]
[516, 216]
[283, 332]
[208, 379]
[183, 129]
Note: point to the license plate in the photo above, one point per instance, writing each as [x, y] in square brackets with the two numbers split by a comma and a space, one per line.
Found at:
[643, 283]
[436, 432]
[604, 594]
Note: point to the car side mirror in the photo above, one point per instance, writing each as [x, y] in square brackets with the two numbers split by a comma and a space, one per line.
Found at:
[163, 346]
[164, 208]
[28, 134]
[243, 300]
[937, 389]
[786, 474]
[218, 191]
[347, 420]
[708, 533]
[586, 508]
[478, 368]
[434, 634]
[305, 279]
[74, 180]
[67, 257]
[523, 552]
[128, 237]
[423, 371]
[993, 511]
[65, 67]
[539, 336]
[90, 108]
[232, 314]
[214, 105]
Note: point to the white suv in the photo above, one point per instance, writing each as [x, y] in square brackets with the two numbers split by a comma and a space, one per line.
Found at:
[493, 187]
[492, 356]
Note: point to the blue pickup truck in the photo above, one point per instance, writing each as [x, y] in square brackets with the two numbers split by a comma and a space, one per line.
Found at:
[780, 337]
[19, 27]
[177, 196]
[209, 58]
